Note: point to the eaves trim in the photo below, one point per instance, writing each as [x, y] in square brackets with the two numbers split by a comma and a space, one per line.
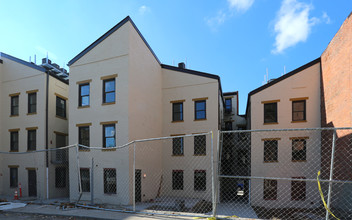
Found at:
[32, 65]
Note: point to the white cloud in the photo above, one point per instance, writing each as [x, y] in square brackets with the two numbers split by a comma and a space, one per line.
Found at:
[293, 24]
[143, 9]
[326, 18]
[240, 5]
[224, 14]
[45, 52]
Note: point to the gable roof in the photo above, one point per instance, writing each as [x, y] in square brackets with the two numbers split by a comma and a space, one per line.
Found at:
[32, 65]
[293, 72]
[107, 34]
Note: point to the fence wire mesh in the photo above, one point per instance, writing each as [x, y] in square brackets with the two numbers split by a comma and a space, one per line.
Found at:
[265, 174]
[274, 173]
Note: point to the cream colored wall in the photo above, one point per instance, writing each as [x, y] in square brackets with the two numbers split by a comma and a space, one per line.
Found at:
[107, 58]
[56, 124]
[145, 110]
[1, 131]
[183, 86]
[303, 84]
[16, 78]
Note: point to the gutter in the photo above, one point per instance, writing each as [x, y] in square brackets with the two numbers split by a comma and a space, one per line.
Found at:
[47, 133]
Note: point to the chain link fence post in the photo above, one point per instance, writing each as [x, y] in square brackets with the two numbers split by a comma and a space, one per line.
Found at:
[331, 172]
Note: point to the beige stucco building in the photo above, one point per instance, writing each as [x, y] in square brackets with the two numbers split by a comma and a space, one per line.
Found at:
[28, 122]
[291, 101]
[121, 93]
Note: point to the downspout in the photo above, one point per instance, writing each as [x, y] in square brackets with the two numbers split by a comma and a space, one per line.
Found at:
[47, 133]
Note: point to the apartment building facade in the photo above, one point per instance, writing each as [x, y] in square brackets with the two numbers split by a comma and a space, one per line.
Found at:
[30, 96]
[291, 101]
[123, 93]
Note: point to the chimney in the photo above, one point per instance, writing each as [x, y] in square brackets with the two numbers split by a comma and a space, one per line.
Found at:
[182, 65]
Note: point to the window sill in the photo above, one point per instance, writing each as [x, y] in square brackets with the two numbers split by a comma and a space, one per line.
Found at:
[301, 121]
[176, 121]
[30, 150]
[273, 161]
[86, 106]
[108, 149]
[14, 115]
[202, 119]
[270, 123]
[295, 161]
[202, 155]
[63, 118]
[178, 155]
[108, 103]
[110, 194]
[13, 151]
[32, 113]
[84, 150]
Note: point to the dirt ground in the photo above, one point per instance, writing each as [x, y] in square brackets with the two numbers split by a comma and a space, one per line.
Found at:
[14, 216]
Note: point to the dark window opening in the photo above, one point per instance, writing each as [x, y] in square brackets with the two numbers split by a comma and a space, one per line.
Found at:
[110, 181]
[177, 146]
[200, 110]
[200, 180]
[60, 107]
[109, 90]
[270, 112]
[84, 94]
[177, 179]
[177, 111]
[109, 135]
[270, 151]
[200, 145]
[299, 110]
[32, 103]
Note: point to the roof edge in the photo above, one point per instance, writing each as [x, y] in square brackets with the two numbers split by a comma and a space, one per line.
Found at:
[32, 65]
[106, 35]
[230, 93]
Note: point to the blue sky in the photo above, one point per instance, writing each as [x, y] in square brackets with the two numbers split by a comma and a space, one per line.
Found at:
[239, 40]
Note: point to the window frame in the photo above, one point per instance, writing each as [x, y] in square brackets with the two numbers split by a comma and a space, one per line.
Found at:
[270, 117]
[267, 152]
[295, 111]
[30, 111]
[228, 110]
[296, 153]
[13, 182]
[200, 183]
[175, 150]
[271, 192]
[105, 93]
[104, 135]
[12, 148]
[298, 189]
[106, 185]
[80, 138]
[15, 107]
[200, 110]
[80, 96]
[31, 147]
[58, 108]
[200, 150]
[177, 179]
[174, 113]
[84, 184]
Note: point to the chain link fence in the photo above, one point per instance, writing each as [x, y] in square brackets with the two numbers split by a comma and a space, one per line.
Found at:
[274, 173]
[265, 174]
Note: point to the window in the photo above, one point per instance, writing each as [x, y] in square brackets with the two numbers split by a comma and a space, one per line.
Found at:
[85, 179]
[299, 110]
[83, 136]
[83, 94]
[177, 111]
[110, 180]
[200, 110]
[228, 105]
[177, 146]
[31, 140]
[13, 177]
[60, 177]
[298, 189]
[14, 141]
[32, 103]
[270, 150]
[299, 151]
[109, 135]
[270, 112]
[200, 180]
[60, 156]
[177, 179]
[270, 189]
[60, 107]
[200, 145]
[14, 105]
[109, 90]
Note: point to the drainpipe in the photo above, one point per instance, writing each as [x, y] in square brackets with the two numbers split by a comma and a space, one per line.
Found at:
[46, 134]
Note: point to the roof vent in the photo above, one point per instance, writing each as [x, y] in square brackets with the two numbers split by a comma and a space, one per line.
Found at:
[182, 65]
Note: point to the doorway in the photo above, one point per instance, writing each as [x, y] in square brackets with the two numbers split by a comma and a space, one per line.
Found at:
[32, 183]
